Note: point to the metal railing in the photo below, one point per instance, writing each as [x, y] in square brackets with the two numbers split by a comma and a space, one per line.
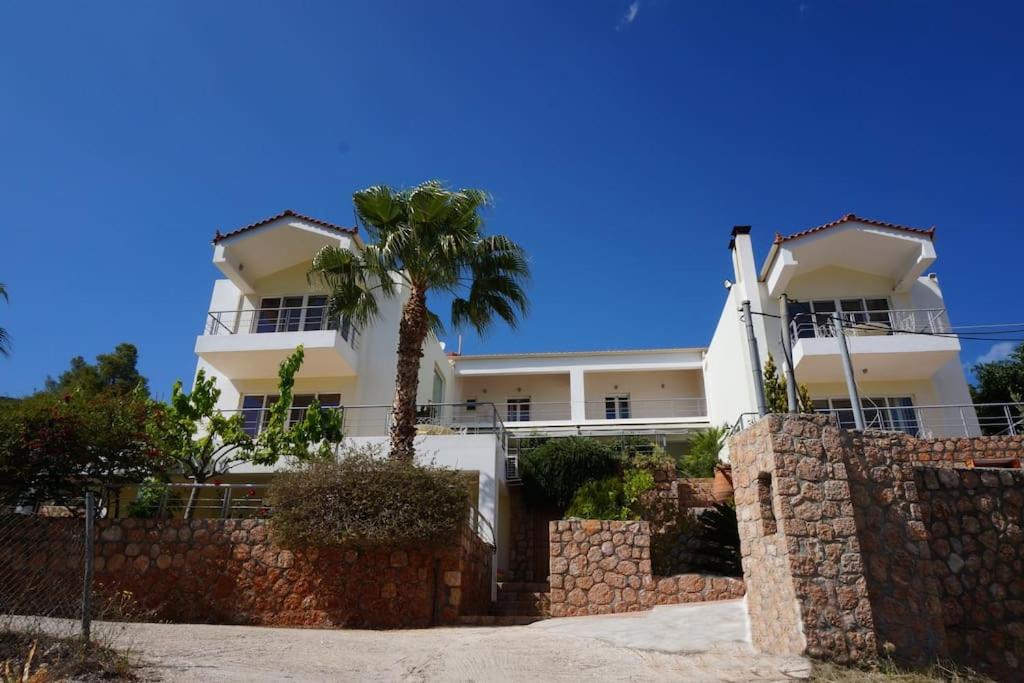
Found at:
[481, 527]
[640, 408]
[632, 408]
[535, 411]
[871, 323]
[270, 320]
[928, 421]
[437, 419]
[215, 500]
[936, 421]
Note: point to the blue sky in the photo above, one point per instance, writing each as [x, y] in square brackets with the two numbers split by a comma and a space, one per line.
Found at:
[621, 141]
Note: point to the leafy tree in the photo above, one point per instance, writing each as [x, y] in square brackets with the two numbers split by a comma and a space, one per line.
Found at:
[1000, 381]
[204, 443]
[427, 240]
[702, 454]
[53, 446]
[5, 339]
[775, 391]
[115, 371]
[553, 471]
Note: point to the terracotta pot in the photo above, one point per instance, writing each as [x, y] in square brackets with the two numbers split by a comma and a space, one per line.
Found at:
[722, 489]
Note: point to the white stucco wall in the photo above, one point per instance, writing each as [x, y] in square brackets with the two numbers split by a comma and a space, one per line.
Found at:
[728, 381]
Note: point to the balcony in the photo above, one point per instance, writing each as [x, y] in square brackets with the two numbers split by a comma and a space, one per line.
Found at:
[607, 411]
[879, 342]
[250, 344]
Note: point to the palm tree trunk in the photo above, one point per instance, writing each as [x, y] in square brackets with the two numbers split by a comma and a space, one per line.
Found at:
[412, 331]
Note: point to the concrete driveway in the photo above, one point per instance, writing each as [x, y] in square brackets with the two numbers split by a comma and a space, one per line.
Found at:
[706, 642]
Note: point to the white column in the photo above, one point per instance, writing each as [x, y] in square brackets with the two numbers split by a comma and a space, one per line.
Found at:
[577, 396]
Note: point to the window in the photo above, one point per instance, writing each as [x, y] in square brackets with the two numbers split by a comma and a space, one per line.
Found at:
[616, 407]
[889, 413]
[254, 412]
[294, 313]
[518, 409]
[814, 318]
[256, 409]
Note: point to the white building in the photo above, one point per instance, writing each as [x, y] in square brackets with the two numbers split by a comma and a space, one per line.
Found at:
[476, 408]
[874, 275]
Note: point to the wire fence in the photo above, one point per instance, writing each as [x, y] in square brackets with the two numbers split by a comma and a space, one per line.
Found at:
[45, 556]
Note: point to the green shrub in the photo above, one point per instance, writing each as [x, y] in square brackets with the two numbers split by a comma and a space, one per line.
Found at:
[612, 497]
[720, 531]
[364, 499]
[553, 471]
[147, 499]
[702, 455]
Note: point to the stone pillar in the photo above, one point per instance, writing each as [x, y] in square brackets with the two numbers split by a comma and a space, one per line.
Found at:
[807, 593]
[835, 549]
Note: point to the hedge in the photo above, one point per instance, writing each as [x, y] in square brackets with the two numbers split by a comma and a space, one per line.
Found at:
[367, 500]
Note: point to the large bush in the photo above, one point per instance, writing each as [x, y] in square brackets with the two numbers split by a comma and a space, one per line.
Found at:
[612, 497]
[553, 471]
[54, 446]
[364, 499]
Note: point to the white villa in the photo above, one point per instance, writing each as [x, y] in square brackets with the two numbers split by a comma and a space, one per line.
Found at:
[478, 407]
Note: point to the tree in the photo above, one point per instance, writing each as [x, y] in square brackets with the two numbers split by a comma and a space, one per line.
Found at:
[1000, 381]
[204, 443]
[427, 240]
[54, 446]
[5, 339]
[775, 391]
[553, 471]
[115, 371]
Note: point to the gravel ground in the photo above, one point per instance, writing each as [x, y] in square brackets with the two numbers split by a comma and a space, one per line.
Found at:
[557, 650]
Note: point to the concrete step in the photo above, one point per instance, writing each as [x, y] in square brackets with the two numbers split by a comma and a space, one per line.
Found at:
[524, 586]
[498, 620]
[523, 597]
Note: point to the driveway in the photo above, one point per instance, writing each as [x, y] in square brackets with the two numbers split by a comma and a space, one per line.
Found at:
[706, 642]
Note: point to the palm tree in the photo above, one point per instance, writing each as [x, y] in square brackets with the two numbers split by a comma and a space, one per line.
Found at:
[426, 240]
[5, 339]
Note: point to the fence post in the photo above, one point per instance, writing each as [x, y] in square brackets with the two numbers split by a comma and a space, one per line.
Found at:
[90, 516]
[225, 504]
[1009, 421]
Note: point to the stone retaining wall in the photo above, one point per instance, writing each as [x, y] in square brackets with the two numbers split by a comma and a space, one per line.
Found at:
[604, 567]
[974, 520]
[855, 544]
[229, 571]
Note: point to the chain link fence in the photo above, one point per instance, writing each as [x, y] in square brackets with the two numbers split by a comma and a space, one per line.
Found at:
[46, 560]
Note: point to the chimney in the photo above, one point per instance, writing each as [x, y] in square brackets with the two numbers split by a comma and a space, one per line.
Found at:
[743, 265]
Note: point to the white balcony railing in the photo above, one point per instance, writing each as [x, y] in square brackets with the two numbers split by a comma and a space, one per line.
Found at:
[926, 422]
[604, 409]
[376, 420]
[273, 320]
[870, 323]
[640, 408]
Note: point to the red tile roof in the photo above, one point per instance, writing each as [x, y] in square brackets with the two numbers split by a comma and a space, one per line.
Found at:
[287, 212]
[930, 232]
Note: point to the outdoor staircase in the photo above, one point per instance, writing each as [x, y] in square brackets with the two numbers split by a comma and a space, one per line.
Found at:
[519, 603]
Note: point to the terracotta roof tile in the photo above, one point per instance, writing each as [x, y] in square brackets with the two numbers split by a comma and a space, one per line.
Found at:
[779, 238]
[287, 212]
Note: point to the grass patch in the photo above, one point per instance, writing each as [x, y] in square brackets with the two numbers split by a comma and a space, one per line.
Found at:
[888, 672]
[41, 658]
